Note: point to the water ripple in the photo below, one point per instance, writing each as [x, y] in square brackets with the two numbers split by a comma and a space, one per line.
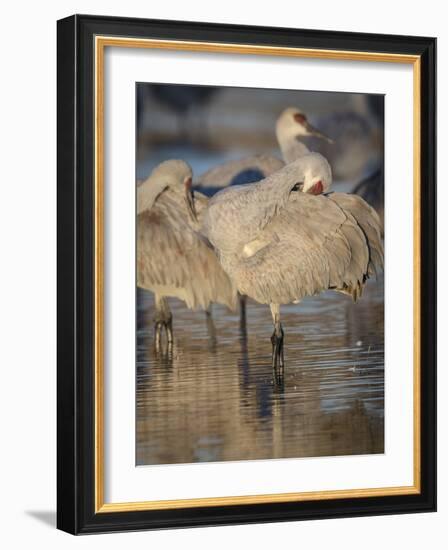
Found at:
[214, 397]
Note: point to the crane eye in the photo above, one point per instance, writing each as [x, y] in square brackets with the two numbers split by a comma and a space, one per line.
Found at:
[297, 187]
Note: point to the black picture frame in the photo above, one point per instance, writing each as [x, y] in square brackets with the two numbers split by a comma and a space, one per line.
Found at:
[75, 310]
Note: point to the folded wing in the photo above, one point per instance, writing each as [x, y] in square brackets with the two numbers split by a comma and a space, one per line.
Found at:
[313, 244]
[173, 257]
[238, 172]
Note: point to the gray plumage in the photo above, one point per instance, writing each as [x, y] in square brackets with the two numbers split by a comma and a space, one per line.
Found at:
[222, 175]
[173, 259]
[369, 222]
[278, 245]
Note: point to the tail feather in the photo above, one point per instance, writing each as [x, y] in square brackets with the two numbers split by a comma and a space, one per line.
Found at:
[369, 222]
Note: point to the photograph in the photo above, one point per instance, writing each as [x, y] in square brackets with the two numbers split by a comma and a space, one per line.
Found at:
[246, 274]
[259, 274]
[222, 240]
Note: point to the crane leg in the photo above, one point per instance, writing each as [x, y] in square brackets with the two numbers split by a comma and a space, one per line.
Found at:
[211, 329]
[157, 335]
[163, 321]
[242, 300]
[169, 330]
[278, 359]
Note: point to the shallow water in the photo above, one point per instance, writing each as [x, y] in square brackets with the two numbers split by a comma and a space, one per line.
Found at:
[214, 397]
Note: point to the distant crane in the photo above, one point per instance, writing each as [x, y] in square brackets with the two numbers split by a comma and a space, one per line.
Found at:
[292, 125]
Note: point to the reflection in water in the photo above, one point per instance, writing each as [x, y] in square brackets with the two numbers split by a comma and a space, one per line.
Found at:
[212, 398]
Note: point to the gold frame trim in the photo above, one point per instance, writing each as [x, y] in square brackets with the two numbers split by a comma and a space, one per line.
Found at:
[101, 42]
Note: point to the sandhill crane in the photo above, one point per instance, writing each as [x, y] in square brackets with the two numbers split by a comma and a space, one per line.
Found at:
[172, 258]
[279, 245]
[292, 125]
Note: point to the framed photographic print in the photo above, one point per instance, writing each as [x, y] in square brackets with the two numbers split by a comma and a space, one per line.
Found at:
[246, 274]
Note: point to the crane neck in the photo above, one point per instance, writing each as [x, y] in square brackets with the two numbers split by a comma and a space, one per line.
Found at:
[291, 147]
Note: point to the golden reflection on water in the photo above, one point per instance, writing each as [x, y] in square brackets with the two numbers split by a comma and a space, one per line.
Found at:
[214, 398]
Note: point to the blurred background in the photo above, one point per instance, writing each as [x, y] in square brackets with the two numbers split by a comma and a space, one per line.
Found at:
[206, 125]
[213, 398]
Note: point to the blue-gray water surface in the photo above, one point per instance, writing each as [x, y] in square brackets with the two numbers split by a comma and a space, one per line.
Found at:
[214, 397]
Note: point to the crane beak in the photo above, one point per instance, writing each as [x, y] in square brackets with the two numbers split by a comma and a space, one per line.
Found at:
[312, 131]
[189, 198]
